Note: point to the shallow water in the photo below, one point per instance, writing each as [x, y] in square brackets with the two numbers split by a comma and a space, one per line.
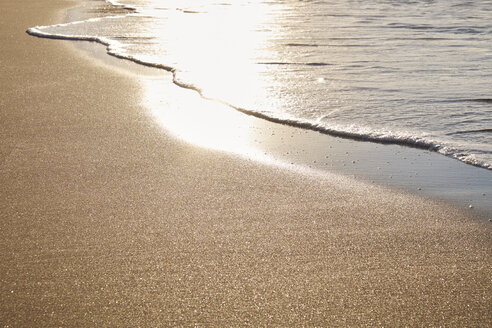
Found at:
[408, 72]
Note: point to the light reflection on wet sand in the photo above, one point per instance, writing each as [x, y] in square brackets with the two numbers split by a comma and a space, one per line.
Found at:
[215, 126]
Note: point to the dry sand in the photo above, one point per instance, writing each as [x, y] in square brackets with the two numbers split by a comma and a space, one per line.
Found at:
[105, 220]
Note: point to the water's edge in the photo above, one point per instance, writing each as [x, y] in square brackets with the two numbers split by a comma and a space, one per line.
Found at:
[377, 169]
[381, 138]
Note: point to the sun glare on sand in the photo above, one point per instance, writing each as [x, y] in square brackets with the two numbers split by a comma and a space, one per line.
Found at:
[216, 49]
[204, 123]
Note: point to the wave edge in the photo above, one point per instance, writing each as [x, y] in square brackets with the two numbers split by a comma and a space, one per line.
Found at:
[381, 138]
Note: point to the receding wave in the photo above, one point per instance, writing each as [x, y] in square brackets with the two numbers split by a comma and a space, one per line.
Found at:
[114, 48]
[354, 133]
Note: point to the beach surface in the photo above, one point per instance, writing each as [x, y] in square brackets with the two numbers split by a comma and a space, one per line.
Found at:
[106, 219]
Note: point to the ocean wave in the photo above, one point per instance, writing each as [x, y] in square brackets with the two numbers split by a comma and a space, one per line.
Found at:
[114, 48]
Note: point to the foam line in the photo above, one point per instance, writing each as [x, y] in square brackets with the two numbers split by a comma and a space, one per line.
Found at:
[383, 137]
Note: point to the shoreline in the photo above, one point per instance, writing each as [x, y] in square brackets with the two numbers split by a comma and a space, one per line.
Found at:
[106, 219]
[418, 171]
[116, 10]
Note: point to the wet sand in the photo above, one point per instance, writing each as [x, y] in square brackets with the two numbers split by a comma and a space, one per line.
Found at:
[108, 220]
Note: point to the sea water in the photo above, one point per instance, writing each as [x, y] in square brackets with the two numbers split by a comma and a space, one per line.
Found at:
[417, 73]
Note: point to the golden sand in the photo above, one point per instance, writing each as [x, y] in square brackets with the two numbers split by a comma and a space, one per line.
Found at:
[105, 220]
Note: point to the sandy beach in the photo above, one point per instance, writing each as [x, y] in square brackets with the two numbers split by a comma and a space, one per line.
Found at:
[108, 220]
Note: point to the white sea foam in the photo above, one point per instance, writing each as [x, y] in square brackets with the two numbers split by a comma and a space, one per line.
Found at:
[393, 78]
